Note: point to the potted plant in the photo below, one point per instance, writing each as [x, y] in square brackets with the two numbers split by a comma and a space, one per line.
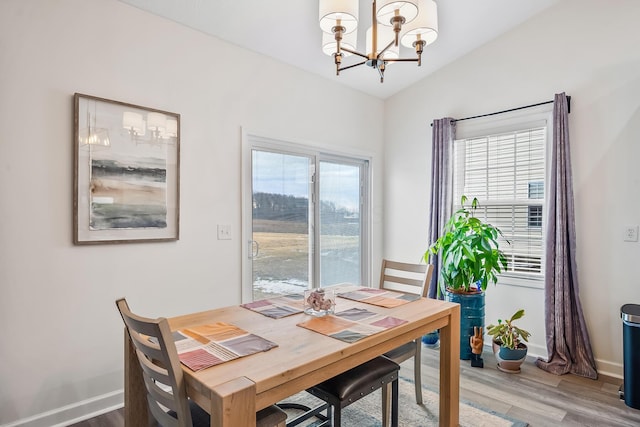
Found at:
[508, 345]
[471, 259]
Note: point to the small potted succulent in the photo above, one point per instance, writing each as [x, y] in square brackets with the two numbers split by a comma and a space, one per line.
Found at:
[508, 345]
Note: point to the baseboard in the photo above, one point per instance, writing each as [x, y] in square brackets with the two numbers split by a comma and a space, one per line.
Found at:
[605, 368]
[73, 413]
[610, 369]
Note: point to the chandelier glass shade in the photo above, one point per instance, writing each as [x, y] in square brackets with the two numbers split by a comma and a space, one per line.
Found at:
[410, 23]
[387, 10]
[349, 41]
[424, 27]
[344, 12]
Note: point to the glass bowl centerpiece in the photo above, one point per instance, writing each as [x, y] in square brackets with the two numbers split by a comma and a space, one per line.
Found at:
[319, 302]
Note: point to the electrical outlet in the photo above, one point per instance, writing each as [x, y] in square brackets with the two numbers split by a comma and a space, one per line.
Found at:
[631, 233]
[224, 232]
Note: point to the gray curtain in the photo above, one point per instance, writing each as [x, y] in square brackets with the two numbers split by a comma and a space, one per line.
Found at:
[441, 190]
[568, 342]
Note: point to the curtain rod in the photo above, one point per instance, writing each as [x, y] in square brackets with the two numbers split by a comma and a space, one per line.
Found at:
[512, 109]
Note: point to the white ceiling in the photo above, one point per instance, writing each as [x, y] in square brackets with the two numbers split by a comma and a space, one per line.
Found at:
[288, 30]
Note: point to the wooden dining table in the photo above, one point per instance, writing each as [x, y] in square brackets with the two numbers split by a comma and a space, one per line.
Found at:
[234, 391]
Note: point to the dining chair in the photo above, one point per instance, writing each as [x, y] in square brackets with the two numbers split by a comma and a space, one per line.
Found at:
[166, 389]
[408, 278]
[350, 386]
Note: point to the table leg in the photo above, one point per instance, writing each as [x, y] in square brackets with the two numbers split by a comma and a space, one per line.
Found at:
[450, 370]
[135, 392]
[234, 404]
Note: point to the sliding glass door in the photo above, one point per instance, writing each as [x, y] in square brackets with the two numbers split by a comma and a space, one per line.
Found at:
[280, 222]
[305, 220]
[339, 213]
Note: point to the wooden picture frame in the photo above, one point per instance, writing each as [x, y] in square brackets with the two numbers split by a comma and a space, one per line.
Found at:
[126, 181]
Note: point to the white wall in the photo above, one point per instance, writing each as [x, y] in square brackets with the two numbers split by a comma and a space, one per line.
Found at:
[61, 335]
[588, 49]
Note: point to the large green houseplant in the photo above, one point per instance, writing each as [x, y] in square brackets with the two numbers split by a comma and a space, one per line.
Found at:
[471, 259]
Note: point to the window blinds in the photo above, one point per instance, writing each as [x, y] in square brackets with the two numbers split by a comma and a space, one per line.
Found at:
[506, 173]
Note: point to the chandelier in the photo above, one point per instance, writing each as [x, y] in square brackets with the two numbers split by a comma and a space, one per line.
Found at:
[411, 23]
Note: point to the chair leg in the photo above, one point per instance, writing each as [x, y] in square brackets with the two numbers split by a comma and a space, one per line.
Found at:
[386, 404]
[330, 415]
[417, 372]
[394, 403]
[306, 413]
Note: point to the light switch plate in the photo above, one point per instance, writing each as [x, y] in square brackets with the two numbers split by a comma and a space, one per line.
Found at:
[631, 233]
[224, 232]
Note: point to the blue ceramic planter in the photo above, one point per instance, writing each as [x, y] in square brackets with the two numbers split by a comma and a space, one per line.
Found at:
[431, 339]
[471, 315]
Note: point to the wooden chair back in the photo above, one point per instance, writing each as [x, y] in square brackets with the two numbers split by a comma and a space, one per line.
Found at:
[405, 277]
[161, 367]
[409, 278]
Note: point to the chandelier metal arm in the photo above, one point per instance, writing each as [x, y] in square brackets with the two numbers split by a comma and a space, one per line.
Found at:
[353, 52]
[352, 66]
[402, 60]
[385, 49]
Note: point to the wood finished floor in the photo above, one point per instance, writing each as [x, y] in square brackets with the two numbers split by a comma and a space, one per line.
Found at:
[533, 396]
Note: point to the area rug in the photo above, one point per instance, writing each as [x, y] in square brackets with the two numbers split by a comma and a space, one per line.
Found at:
[367, 411]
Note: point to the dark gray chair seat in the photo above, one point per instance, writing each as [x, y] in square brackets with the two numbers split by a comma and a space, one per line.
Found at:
[352, 385]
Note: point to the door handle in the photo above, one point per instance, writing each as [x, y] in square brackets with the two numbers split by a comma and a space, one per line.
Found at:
[254, 249]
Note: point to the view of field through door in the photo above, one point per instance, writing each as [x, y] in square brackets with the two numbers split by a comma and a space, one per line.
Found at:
[339, 218]
[306, 227]
[281, 238]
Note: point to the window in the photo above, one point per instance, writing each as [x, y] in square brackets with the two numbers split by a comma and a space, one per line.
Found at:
[505, 170]
[536, 191]
[305, 218]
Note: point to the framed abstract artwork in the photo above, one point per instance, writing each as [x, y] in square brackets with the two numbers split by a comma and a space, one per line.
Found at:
[127, 172]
